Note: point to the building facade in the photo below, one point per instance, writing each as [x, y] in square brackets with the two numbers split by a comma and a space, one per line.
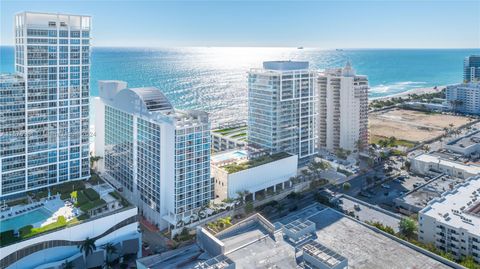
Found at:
[451, 222]
[45, 105]
[464, 98]
[50, 250]
[157, 156]
[281, 108]
[471, 69]
[435, 164]
[233, 173]
[342, 109]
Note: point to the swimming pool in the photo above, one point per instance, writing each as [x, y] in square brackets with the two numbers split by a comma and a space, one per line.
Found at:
[28, 218]
[231, 155]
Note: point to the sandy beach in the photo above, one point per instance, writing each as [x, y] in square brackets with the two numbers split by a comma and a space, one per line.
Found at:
[412, 91]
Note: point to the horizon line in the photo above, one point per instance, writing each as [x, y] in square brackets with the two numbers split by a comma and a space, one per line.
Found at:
[276, 47]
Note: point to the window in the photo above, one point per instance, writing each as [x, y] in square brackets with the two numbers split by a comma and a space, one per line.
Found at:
[52, 24]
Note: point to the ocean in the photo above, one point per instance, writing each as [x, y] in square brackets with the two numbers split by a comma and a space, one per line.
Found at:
[215, 79]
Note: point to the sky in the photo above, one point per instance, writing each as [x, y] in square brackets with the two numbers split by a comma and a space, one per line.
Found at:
[319, 24]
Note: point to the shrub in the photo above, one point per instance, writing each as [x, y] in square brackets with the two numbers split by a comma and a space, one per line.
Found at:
[249, 207]
[7, 237]
[25, 230]
[91, 194]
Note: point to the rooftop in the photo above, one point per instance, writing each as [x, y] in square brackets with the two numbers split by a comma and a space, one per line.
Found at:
[458, 207]
[444, 159]
[236, 132]
[419, 197]
[253, 244]
[10, 78]
[285, 65]
[62, 206]
[471, 139]
[237, 160]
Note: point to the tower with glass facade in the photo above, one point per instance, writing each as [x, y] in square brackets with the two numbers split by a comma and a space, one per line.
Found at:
[471, 69]
[282, 108]
[45, 105]
[157, 156]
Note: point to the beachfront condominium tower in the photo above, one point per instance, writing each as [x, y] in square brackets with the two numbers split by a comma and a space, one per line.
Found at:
[464, 98]
[471, 69]
[44, 106]
[343, 109]
[282, 109]
[157, 156]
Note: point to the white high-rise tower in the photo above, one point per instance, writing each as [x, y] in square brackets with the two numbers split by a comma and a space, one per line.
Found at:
[44, 121]
[281, 108]
[343, 109]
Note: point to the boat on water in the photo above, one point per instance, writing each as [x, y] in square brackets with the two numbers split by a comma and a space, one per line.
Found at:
[300, 48]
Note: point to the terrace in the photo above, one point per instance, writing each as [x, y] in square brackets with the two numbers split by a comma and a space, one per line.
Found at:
[61, 206]
[239, 165]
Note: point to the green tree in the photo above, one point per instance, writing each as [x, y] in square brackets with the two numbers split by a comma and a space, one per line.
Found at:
[469, 262]
[346, 186]
[110, 249]
[249, 207]
[408, 227]
[87, 246]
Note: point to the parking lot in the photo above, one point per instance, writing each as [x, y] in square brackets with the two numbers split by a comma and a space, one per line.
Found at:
[384, 194]
[369, 213]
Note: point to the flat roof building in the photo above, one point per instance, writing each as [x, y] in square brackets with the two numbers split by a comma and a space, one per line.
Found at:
[466, 145]
[336, 241]
[452, 222]
[342, 109]
[157, 155]
[428, 164]
[44, 109]
[281, 108]
[464, 98]
[237, 171]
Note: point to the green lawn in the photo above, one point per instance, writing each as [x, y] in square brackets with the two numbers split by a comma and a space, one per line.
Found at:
[234, 167]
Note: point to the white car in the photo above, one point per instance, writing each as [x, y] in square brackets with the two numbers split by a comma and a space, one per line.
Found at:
[385, 186]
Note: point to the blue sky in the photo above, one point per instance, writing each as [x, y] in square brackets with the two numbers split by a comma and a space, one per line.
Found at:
[319, 24]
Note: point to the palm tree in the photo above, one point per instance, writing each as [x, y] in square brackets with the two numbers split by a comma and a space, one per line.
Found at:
[87, 246]
[68, 265]
[426, 148]
[110, 249]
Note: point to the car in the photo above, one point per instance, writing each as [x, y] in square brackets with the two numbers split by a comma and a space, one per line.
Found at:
[385, 186]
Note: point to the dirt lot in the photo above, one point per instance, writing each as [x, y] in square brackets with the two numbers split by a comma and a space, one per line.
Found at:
[411, 125]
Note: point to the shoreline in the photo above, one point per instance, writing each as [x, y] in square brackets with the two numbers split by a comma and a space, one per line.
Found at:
[408, 92]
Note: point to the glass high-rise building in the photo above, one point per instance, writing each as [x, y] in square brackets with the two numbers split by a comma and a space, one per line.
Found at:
[44, 106]
[156, 155]
[471, 69]
[282, 111]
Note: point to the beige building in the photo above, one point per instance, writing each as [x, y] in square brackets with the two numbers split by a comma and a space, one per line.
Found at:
[342, 109]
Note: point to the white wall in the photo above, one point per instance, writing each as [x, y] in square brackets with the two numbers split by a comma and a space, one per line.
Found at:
[261, 177]
[80, 232]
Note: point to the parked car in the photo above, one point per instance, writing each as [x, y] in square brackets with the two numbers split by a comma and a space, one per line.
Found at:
[385, 186]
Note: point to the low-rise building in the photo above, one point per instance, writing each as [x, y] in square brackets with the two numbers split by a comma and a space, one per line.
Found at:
[432, 164]
[47, 233]
[314, 237]
[451, 222]
[466, 145]
[416, 199]
[229, 137]
[238, 171]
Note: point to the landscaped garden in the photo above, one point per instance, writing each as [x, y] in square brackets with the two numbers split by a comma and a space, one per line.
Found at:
[236, 167]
